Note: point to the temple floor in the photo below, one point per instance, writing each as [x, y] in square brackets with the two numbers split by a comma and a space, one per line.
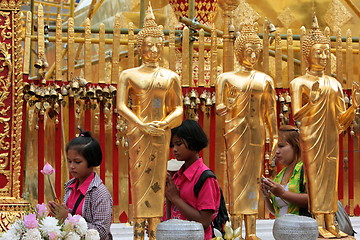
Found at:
[122, 231]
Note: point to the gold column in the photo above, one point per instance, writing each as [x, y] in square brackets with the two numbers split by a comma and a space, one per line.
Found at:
[228, 6]
[12, 206]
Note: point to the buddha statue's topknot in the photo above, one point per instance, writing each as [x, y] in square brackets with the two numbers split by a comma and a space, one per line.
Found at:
[248, 34]
[315, 36]
[150, 29]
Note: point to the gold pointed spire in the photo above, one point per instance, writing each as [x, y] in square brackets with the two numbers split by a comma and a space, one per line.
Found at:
[314, 36]
[149, 20]
[151, 29]
[315, 23]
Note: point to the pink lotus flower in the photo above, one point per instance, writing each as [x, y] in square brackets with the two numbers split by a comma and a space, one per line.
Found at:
[30, 221]
[73, 220]
[53, 236]
[47, 170]
[41, 210]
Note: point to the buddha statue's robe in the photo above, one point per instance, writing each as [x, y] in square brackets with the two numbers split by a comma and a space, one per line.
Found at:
[250, 102]
[153, 95]
[319, 135]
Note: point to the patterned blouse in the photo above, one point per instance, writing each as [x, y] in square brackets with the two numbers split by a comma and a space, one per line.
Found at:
[294, 186]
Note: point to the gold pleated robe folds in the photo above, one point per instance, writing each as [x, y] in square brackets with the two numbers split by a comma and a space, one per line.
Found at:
[245, 134]
[319, 136]
[154, 97]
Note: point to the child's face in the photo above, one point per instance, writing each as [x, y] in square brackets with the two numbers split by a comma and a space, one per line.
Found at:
[77, 165]
[181, 150]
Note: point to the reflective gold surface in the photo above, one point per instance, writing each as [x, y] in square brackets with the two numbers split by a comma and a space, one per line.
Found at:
[246, 97]
[319, 107]
[149, 97]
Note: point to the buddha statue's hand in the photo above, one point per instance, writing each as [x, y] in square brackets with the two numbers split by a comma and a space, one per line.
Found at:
[152, 129]
[221, 109]
[356, 94]
[315, 92]
[161, 124]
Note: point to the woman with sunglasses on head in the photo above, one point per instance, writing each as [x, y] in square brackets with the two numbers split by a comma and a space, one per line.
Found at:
[287, 192]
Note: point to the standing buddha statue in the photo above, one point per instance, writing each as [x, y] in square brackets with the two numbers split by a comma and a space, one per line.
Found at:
[246, 98]
[150, 98]
[319, 106]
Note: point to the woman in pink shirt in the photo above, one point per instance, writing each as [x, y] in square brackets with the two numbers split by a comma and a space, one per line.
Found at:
[85, 194]
[187, 141]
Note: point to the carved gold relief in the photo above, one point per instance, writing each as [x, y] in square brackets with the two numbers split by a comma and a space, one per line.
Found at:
[337, 15]
[9, 213]
[245, 13]
[286, 17]
[12, 4]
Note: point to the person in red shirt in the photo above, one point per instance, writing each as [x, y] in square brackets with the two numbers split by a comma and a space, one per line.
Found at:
[187, 141]
[85, 194]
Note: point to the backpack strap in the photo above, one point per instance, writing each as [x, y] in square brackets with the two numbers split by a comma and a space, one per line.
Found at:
[204, 175]
[78, 201]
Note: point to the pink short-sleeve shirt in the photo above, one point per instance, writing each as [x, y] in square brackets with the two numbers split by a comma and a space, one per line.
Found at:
[75, 194]
[209, 195]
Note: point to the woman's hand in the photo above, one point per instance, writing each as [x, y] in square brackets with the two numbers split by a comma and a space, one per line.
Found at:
[265, 190]
[171, 191]
[273, 187]
[60, 211]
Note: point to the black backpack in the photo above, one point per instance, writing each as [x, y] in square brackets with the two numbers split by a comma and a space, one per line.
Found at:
[222, 217]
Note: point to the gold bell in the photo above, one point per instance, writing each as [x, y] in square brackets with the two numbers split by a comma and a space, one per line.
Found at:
[60, 97]
[193, 94]
[45, 64]
[74, 85]
[26, 87]
[57, 87]
[64, 91]
[53, 93]
[38, 63]
[213, 98]
[90, 92]
[46, 92]
[38, 92]
[32, 89]
[281, 99]
[208, 101]
[112, 90]
[203, 95]
[82, 82]
[187, 101]
[98, 91]
[106, 92]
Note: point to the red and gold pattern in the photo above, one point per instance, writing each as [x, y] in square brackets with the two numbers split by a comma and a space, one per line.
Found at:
[11, 113]
[204, 9]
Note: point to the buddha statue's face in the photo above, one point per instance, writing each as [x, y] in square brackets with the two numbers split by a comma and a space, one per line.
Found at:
[319, 53]
[151, 49]
[250, 55]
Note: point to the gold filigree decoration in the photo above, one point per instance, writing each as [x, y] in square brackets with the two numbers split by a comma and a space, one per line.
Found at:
[5, 83]
[12, 4]
[10, 213]
[18, 111]
[286, 17]
[245, 13]
[337, 15]
[5, 25]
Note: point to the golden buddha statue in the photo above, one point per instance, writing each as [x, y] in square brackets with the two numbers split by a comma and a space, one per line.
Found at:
[318, 104]
[246, 98]
[150, 98]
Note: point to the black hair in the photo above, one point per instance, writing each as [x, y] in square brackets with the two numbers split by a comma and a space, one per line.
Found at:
[192, 133]
[88, 147]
